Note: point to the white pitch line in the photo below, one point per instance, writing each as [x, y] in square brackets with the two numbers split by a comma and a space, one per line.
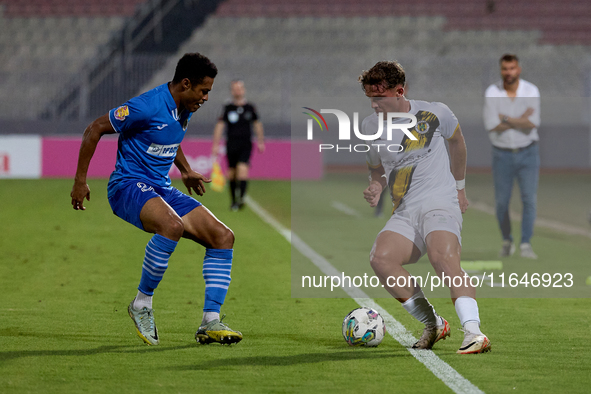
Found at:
[449, 376]
[541, 222]
[347, 210]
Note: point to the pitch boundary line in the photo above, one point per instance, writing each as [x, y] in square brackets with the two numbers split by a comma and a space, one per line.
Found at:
[540, 222]
[344, 208]
[442, 370]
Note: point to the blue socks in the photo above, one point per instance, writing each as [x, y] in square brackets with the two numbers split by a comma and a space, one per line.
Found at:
[217, 266]
[158, 252]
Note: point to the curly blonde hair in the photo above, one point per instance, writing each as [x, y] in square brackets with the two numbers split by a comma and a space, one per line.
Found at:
[385, 74]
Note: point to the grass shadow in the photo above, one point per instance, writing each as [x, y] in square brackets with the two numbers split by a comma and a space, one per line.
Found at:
[294, 359]
[7, 356]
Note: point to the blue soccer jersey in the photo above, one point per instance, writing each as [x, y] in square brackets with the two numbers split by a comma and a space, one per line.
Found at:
[150, 133]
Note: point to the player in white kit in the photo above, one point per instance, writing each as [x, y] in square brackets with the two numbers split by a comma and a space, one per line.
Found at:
[428, 197]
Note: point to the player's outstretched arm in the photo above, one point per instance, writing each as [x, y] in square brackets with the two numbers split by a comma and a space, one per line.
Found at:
[258, 129]
[192, 179]
[458, 154]
[90, 139]
[377, 183]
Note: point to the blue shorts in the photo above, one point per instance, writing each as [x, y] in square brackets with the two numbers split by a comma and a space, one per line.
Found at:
[127, 199]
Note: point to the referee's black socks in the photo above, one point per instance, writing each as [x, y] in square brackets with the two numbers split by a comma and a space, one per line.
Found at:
[242, 189]
[233, 191]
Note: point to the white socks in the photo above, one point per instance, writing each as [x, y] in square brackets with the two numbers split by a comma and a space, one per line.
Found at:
[421, 309]
[142, 300]
[209, 316]
[467, 310]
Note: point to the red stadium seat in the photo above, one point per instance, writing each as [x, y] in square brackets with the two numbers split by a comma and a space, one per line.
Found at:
[20, 8]
[551, 17]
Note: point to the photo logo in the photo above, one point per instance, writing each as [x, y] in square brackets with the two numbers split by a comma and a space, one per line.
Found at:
[310, 133]
[345, 129]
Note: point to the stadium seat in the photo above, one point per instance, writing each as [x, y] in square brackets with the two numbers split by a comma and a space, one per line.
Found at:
[308, 48]
[49, 41]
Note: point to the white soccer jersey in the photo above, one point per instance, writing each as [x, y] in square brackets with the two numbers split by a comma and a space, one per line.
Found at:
[419, 176]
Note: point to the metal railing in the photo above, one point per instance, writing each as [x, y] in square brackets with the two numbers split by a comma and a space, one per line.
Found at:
[126, 62]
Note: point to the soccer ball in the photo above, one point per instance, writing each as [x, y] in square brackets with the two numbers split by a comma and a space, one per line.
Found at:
[364, 327]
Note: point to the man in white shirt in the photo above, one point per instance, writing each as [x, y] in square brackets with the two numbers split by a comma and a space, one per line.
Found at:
[428, 195]
[512, 116]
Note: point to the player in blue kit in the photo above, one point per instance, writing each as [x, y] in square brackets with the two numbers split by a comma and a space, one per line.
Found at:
[151, 128]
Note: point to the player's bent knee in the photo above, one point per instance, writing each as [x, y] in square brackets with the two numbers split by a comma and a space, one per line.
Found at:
[448, 263]
[224, 239]
[379, 260]
[172, 228]
[375, 262]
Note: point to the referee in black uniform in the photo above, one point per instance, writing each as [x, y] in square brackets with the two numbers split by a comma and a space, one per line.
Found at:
[239, 118]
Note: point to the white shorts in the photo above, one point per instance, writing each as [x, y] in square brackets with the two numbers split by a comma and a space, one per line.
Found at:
[418, 223]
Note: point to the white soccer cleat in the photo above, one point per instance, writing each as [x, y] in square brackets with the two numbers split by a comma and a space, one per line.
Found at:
[144, 324]
[527, 251]
[432, 334]
[474, 343]
[507, 249]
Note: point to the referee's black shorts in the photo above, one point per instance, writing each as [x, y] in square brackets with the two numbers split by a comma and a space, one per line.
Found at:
[238, 152]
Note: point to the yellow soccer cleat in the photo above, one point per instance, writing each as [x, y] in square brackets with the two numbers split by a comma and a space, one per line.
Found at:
[216, 331]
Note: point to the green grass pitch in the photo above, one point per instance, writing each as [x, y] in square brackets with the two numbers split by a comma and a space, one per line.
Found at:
[66, 278]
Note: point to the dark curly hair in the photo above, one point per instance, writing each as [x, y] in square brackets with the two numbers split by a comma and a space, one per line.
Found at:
[509, 57]
[386, 74]
[196, 67]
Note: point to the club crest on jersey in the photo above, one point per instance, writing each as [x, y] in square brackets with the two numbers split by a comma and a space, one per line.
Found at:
[121, 113]
[422, 126]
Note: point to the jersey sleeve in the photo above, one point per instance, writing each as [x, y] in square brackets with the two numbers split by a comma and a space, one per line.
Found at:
[132, 115]
[224, 115]
[449, 122]
[534, 102]
[372, 157]
[490, 113]
[255, 114]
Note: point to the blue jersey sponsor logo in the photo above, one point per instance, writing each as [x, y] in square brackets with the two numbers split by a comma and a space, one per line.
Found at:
[163, 150]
